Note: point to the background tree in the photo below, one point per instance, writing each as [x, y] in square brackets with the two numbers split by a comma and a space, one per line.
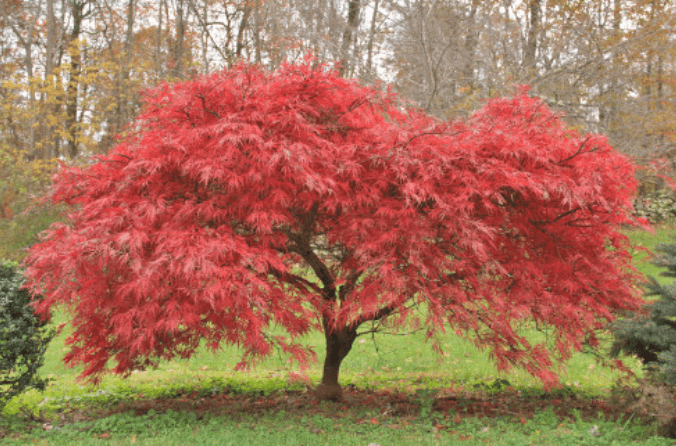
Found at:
[78, 67]
[598, 61]
[298, 198]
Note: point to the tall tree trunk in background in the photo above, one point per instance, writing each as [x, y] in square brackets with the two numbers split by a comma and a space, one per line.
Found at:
[74, 77]
[177, 69]
[471, 41]
[530, 51]
[613, 109]
[349, 37]
[243, 25]
[27, 44]
[430, 66]
[122, 110]
[257, 31]
[50, 145]
[369, 50]
[129, 39]
[51, 39]
[159, 60]
[333, 24]
[316, 15]
[205, 37]
[660, 82]
[647, 88]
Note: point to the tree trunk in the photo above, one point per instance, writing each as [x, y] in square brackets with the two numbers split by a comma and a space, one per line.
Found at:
[122, 110]
[51, 39]
[243, 25]
[257, 31]
[339, 340]
[159, 62]
[179, 46]
[74, 79]
[369, 59]
[471, 42]
[349, 37]
[338, 345]
[532, 37]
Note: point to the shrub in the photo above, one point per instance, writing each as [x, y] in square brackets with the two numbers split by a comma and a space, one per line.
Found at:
[23, 337]
[651, 335]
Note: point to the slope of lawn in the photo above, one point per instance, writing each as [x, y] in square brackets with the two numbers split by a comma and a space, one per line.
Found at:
[398, 391]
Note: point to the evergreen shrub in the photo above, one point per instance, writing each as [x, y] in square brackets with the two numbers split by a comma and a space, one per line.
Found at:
[651, 335]
[23, 337]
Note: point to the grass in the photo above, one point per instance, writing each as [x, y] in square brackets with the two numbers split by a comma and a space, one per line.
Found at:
[22, 230]
[167, 406]
[281, 428]
[664, 234]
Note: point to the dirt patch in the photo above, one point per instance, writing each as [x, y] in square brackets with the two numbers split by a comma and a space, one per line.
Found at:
[510, 405]
[362, 406]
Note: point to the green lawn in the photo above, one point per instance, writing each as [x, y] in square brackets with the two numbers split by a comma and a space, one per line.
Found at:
[116, 412]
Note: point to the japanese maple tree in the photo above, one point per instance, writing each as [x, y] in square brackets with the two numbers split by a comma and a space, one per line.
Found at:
[299, 199]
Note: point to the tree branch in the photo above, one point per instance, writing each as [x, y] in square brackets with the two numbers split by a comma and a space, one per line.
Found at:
[297, 281]
[579, 151]
[349, 284]
[385, 311]
[301, 246]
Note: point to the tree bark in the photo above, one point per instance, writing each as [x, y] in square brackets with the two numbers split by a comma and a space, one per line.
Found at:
[257, 31]
[27, 44]
[74, 78]
[51, 39]
[532, 38]
[372, 31]
[338, 345]
[349, 37]
[471, 42]
[179, 46]
[51, 148]
[243, 25]
[159, 62]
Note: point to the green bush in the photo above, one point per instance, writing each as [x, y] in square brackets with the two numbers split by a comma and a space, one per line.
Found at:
[23, 337]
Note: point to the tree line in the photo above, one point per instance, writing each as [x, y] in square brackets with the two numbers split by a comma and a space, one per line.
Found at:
[74, 72]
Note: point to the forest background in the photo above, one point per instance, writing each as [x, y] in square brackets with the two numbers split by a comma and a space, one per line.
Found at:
[73, 72]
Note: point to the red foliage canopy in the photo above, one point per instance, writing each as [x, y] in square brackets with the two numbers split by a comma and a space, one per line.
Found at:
[298, 198]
